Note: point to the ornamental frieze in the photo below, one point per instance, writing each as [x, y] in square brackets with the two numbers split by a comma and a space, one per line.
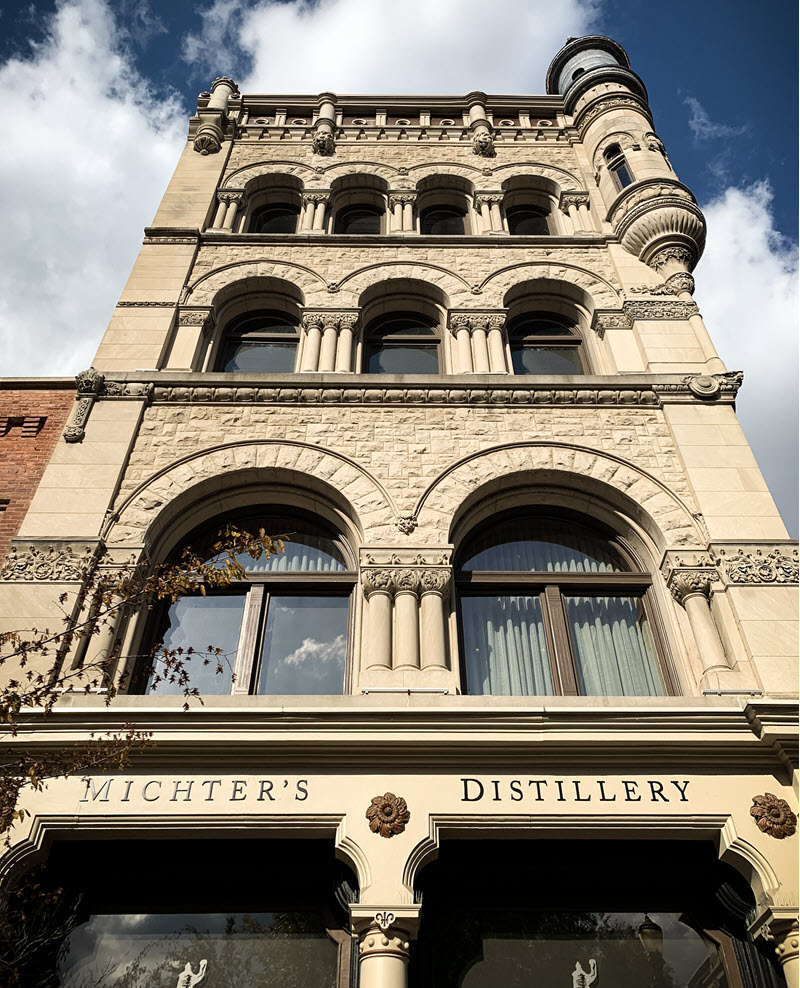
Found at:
[51, 562]
[410, 580]
[660, 310]
[758, 566]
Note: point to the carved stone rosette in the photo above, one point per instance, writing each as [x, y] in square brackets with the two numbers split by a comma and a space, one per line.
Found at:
[388, 815]
[773, 816]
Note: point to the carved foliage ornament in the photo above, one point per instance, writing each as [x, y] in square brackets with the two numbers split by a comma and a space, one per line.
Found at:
[755, 567]
[686, 583]
[52, 564]
[388, 815]
[773, 816]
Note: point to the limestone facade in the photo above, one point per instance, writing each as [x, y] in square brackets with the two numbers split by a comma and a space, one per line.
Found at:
[642, 441]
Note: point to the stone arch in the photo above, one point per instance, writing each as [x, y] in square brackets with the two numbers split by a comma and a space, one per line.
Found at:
[353, 285]
[563, 178]
[239, 178]
[620, 137]
[602, 293]
[418, 173]
[343, 169]
[618, 483]
[221, 470]
[208, 286]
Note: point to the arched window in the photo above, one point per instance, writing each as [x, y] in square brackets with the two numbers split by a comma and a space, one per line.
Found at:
[358, 219]
[259, 342]
[618, 166]
[283, 631]
[545, 343]
[528, 221]
[274, 217]
[402, 343]
[551, 605]
[442, 219]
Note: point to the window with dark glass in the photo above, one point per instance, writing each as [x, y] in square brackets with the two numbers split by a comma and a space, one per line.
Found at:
[259, 342]
[551, 606]
[618, 166]
[528, 221]
[544, 343]
[278, 217]
[442, 219]
[282, 631]
[402, 343]
[358, 219]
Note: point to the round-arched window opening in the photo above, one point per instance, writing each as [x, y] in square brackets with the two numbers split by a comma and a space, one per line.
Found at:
[618, 166]
[447, 123]
[545, 343]
[299, 121]
[283, 630]
[577, 73]
[508, 123]
[259, 342]
[551, 604]
[402, 343]
[359, 122]
[358, 219]
[278, 217]
[403, 123]
[544, 123]
[528, 221]
[440, 220]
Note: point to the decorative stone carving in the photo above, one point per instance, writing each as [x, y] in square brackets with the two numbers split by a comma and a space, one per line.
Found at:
[55, 563]
[683, 255]
[682, 281]
[487, 199]
[407, 524]
[661, 310]
[646, 192]
[194, 317]
[704, 386]
[402, 199]
[434, 580]
[406, 581]
[323, 143]
[145, 305]
[573, 197]
[756, 567]
[603, 105]
[483, 145]
[231, 195]
[188, 979]
[610, 319]
[664, 289]
[388, 815]
[496, 321]
[89, 382]
[384, 919]
[683, 583]
[377, 580]
[773, 816]
[207, 143]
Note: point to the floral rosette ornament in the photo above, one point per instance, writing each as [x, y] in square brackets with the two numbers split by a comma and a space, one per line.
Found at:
[388, 815]
[773, 816]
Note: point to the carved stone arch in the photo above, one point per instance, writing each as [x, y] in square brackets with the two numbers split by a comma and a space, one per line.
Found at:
[455, 288]
[419, 172]
[143, 515]
[621, 485]
[563, 178]
[623, 139]
[207, 287]
[344, 168]
[238, 179]
[602, 293]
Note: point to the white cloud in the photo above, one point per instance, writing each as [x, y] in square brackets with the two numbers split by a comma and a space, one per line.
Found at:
[83, 173]
[704, 128]
[318, 652]
[350, 46]
[748, 292]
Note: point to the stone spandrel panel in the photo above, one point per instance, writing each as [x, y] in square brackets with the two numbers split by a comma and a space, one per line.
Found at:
[405, 447]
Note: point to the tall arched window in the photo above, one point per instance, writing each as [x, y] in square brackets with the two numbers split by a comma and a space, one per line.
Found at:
[259, 342]
[358, 218]
[618, 166]
[402, 343]
[551, 605]
[545, 343]
[283, 631]
[528, 221]
[274, 217]
[443, 219]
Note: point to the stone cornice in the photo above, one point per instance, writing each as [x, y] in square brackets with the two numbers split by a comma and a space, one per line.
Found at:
[700, 734]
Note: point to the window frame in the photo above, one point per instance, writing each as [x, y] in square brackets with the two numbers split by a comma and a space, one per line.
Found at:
[551, 592]
[402, 340]
[257, 591]
[453, 208]
[545, 214]
[617, 163]
[573, 340]
[374, 210]
[232, 333]
[289, 207]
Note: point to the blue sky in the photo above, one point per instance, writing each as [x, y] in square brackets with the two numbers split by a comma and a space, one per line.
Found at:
[97, 95]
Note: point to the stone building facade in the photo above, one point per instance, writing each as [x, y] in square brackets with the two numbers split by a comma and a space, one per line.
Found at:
[531, 648]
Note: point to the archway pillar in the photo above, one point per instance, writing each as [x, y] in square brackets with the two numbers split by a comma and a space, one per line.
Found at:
[384, 936]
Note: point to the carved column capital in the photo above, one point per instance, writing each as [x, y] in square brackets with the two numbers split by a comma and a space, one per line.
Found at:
[196, 317]
[685, 583]
[231, 195]
[377, 581]
[573, 197]
[348, 320]
[487, 198]
[605, 319]
[683, 256]
[434, 581]
[401, 199]
[316, 319]
[496, 321]
[315, 197]
[681, 281]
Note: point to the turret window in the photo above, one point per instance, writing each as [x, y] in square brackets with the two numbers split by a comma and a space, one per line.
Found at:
[552, 606]
[618, 166]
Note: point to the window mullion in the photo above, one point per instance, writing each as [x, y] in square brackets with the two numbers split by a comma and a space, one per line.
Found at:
[248, 640]
[557, 621]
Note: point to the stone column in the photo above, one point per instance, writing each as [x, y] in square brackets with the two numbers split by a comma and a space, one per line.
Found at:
[692, 590]
[497, 349]
[219, 216]
[192, 326]
[396, 208]
[497, 219]
[480, 349]
[406, 637]
[344, 352]
[323, 140]
[383, 951]
[312, 326]
[460, 327]
[482, 205]
[234, 198]
[211, 129]
[408, 213]
[309, 208]
[378, 586]
[327, 357]
[435, 584]
[482, 142]
[786, 938]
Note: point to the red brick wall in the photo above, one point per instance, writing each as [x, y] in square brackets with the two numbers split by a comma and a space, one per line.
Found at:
[31, 421]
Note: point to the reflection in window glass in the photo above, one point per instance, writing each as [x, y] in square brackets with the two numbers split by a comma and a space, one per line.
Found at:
[260, 950]
[546, 360]
[358, 219]
[259, 358]
[305, 645]
[197, 622]
[505, 650]
[278, 218]
[613, 646]
[528, 221]
[404, 360]
[442, 219]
